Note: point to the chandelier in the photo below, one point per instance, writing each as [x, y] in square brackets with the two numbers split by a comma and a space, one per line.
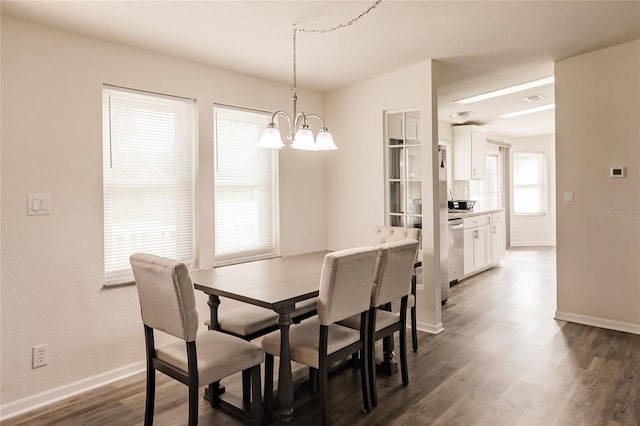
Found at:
[299, 136]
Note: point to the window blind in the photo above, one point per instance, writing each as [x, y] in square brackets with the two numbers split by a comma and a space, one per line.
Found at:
[246, 187]
[529, 183]
[148, 181]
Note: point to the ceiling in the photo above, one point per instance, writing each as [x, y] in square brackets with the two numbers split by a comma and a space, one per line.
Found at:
[479, 45]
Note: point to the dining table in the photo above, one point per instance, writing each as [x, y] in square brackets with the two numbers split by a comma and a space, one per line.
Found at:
[277, 284]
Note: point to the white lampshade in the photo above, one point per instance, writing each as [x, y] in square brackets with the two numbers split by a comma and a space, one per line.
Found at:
[271, 139]
[324, 141]
[304, 140]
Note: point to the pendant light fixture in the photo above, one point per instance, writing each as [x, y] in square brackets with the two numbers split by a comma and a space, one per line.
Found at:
[299, 134]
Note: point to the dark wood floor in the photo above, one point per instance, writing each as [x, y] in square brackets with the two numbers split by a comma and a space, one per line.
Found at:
[502, 360]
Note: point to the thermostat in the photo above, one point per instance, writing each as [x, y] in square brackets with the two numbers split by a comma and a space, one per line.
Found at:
[617, 172]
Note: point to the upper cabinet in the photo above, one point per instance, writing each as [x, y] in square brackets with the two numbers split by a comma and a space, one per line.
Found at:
[469, 147]
[403, 175]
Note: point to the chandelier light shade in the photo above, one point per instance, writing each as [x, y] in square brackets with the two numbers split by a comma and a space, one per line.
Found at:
[271, 138]
[299, 136]
[324, 141]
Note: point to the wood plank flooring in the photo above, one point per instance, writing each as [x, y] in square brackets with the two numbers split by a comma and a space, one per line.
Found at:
[502, 360]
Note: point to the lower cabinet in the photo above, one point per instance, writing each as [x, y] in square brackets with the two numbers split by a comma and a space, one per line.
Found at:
[497, 237]
[484, 241]
[476, 254]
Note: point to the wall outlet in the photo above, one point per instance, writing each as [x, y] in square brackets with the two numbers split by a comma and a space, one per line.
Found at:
[40, 355]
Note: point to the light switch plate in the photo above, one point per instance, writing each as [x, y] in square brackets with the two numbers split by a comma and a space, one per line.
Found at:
[568, 197]
[38, 204]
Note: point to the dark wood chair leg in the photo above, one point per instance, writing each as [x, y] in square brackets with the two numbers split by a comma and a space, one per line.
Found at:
[403, 356]
[355, 360]
[414, 328]
[256, 399]
[192, 363]
[246, 385]
[193, 405]
[268, 383]
[151, 376]
[364, 365]
[403, 341]
[151, 395]
[414, 313]
[373, 393]
[323, 373]
[324, 396]
[313, 379]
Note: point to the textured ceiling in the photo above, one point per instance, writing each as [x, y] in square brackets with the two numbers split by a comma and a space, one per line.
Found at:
[480, 45]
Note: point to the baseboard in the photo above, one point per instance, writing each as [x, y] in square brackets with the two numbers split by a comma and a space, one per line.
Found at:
[599, 322]
[430, 328]
[533, 244]
[33, 402]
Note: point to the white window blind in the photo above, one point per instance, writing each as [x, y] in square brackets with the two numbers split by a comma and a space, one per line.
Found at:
[246, 188]
[529, 183]
[148, 182]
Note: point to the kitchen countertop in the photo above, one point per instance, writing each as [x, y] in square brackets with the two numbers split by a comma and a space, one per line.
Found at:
[454, 214]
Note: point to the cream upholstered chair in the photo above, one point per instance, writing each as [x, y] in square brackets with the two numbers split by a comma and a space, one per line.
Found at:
[388, 234]
[167, 304]
[250, 322]
[345, 290]
[390, 282]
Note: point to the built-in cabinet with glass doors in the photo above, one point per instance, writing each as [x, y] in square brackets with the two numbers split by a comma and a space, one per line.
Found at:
[403, 176]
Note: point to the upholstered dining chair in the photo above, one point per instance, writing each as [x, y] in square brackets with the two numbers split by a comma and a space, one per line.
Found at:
[345, 290]
[388, 234]
[250, 322]
[167, 304]
[390, 282]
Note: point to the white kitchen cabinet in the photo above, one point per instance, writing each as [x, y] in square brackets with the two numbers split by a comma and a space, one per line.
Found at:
[469, 150]
[497, 237]
[476, 249]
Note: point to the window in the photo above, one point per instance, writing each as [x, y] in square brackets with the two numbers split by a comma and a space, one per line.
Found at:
[148, 181]
[246, 188]
[529, 183]
[487, 191]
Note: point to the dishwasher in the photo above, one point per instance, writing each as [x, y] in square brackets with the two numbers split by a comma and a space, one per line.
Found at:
[456, 249]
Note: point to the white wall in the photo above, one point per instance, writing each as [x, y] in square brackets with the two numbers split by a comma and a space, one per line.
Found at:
[538, 230]
[355, 178]
[598, 126]
[52, 270]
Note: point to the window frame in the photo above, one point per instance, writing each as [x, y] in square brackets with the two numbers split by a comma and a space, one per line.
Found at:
[119, 183]
[255, 253]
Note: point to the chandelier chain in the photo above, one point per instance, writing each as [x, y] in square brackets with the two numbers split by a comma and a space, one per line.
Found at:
[324, 31]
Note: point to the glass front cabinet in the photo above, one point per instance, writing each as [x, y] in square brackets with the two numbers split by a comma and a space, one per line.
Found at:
[403, 178]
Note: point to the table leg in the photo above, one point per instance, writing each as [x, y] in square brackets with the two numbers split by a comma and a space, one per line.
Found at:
[285, 377]
[388, 366]
[213, 302]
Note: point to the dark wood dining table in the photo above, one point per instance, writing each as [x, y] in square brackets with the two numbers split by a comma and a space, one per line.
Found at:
[276, 284]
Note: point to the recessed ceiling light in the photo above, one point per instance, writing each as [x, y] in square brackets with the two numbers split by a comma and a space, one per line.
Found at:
[460, 117]
[534, 98]
[528, 111]
[506, 90]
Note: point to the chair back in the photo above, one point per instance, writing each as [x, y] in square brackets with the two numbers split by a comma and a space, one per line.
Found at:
[392, 278]
[345, 283]
[167, 299]
[389, 234]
